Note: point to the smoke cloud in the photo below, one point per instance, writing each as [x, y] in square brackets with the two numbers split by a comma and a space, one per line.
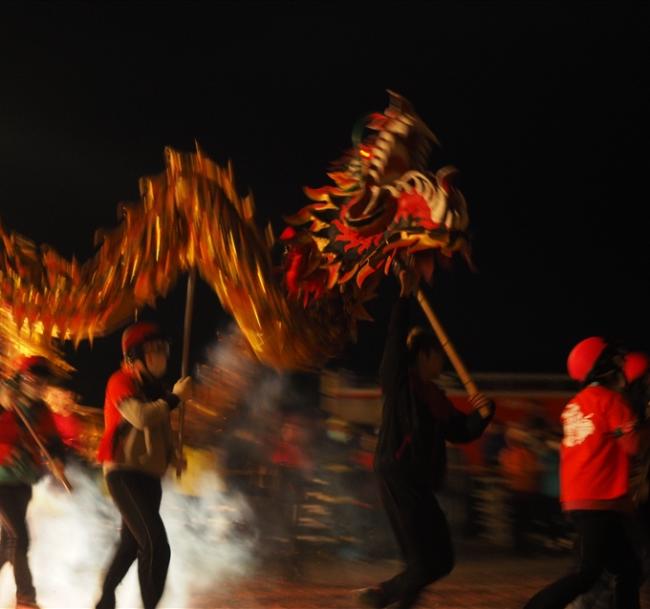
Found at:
[73, 537]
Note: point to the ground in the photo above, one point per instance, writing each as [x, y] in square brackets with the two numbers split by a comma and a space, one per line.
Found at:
[481, 580]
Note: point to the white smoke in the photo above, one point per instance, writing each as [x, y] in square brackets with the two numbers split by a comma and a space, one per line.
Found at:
[73, 538]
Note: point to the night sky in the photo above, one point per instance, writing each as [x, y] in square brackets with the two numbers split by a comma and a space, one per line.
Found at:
[543, 108]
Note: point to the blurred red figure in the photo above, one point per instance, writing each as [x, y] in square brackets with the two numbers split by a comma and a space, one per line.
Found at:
[290, 450]
[599, 437]
[22, 465]
[292, 466]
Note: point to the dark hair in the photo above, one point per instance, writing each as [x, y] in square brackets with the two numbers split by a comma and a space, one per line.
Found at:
[608, 363]
[421, 341]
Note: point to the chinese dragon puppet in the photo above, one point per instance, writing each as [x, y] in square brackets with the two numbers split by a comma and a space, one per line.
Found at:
[296, 298]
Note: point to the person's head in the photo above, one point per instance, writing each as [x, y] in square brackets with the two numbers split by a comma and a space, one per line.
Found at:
[145, 349]
[425, 354]
[33, 375]
[594, 360]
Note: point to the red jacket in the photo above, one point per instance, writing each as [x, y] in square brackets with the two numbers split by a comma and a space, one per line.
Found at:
[69, 428]
[120, 386]
[594, 455]
[20, 458]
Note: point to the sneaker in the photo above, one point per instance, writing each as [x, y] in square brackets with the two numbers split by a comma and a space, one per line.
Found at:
[372, 598]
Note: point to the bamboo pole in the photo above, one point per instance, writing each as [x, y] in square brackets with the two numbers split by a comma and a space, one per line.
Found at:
[447, 345]
[59, 475]
[450, 350]
[185, 363]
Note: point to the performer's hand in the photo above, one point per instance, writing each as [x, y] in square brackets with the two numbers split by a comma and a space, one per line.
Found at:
[409, 280]
[183, 388]
[481, 403]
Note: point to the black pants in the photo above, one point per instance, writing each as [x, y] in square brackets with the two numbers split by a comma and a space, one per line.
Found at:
[602, 544]
[423, 535]
[14, 537]
[643, 530]
[142, 536]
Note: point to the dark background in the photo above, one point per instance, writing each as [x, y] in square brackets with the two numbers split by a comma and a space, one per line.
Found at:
[542, 107]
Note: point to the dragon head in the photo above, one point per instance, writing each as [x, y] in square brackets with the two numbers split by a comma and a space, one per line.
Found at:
[383, 201]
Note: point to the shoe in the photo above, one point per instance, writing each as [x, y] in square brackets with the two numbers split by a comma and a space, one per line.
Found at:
[107, 601]
[22, 604]
[372, 598]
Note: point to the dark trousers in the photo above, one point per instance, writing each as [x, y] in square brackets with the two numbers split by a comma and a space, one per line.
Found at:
[602, 544]
[14, 537]
[642, 530]
[137, 497]
[423, 535]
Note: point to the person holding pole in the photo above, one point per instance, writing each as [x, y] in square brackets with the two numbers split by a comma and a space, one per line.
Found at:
[410, 459]
[29, 443]
[135, 450]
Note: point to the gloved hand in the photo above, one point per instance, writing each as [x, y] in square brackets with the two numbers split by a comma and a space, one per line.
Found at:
[183, 388]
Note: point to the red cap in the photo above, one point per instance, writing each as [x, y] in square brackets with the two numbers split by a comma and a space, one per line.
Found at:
[635, 365]
[584, 356]
[138, 334]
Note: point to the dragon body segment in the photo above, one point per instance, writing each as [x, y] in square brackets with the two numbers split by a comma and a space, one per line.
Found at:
[296, 310]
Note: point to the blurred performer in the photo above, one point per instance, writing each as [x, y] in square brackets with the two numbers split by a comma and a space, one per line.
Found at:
[521, 470]
[292, 467]
[21, 465]
[410, 459]
[599, 435]
[136, 449]
[636, 369]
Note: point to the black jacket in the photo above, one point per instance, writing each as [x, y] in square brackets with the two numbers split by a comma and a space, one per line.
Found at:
[417, 417]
